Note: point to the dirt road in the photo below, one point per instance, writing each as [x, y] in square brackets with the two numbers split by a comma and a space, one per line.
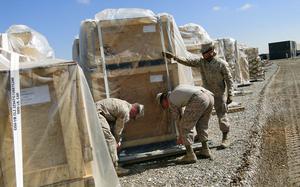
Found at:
[280, 155]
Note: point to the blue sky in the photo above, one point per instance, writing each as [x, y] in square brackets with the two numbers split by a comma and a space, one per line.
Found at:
[255, 22]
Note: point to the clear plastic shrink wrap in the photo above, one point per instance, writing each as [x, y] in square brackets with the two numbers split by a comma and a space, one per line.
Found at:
[63, 143]
[130, 43]
[28, 42]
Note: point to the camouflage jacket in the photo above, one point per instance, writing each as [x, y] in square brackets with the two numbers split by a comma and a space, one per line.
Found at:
[215, 74]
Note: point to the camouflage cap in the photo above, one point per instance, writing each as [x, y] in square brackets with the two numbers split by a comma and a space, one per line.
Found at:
[140, 109]
[207, 47]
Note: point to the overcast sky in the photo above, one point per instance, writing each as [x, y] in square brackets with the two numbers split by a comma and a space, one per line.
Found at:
[253, 22]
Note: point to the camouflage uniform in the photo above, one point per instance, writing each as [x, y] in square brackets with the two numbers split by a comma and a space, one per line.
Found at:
[113, 114]
[198, 107]
[110, 139]
[216, 76]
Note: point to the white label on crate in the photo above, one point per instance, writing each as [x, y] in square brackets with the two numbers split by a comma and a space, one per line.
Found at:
[35, 95]
[156, 78]
[149, 28]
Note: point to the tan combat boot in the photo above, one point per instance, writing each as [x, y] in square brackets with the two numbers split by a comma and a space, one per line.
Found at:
[225, 142]
[204, 151]
[121, 171]
[189, 158]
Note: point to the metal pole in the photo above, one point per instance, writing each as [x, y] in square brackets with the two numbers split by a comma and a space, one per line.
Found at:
[103, 60]
[164, 49]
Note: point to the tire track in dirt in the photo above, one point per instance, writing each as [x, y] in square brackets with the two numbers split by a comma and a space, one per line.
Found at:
[279, 155]
[292, 119]
[285, 89]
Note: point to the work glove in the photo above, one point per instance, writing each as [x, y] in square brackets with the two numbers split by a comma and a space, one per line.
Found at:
[168, 55]
[229, 99]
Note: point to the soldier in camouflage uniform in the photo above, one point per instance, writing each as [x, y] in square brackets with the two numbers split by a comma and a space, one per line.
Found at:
[113, 114]
[216, 77]
[198, 103]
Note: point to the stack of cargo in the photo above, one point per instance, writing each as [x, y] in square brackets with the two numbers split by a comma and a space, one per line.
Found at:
[234, 54]
[62, 140]
[219, 48]
[75, 50]
[230, 51]
[194, 36]
[120, 52]
[230, 54]
[255, 64]
[25, 41]
[244, 75]
[226, 48]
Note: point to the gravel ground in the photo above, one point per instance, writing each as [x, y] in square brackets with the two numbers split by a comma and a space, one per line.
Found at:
[233, 166]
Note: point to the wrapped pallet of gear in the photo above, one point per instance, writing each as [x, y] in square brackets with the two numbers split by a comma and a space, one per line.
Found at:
[233, 52]
[63, 143]
[28, 42]
[49, 129]
[255, 64]
[230, 55]
[121, 54]
[244, 75]
[194, 36]
[5, 49]
[75, 50]
[219, 48]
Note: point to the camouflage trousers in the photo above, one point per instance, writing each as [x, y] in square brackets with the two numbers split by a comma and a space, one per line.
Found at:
[197, 114]
[110, 139]
[221, 110]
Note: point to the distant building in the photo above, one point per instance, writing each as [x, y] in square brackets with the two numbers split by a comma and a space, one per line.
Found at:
[284, 49]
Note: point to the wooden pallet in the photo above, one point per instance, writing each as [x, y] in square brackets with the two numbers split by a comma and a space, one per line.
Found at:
[87, 181]
[232, 110]
[244, 85]
[257, 80]
[174, 150]
[242, 92]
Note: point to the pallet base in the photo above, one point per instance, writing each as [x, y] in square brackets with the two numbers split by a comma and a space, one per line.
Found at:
[257, 80]
[232, 110]
[173, 150]
[242, 92]
[87, 181]
[244, 85]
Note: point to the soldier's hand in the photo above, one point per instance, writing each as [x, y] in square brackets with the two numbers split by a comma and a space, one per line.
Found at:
[118, 146]
[229, 100]
[168, 55]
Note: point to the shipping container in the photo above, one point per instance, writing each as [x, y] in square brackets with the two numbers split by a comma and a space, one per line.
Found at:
[281, 50]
